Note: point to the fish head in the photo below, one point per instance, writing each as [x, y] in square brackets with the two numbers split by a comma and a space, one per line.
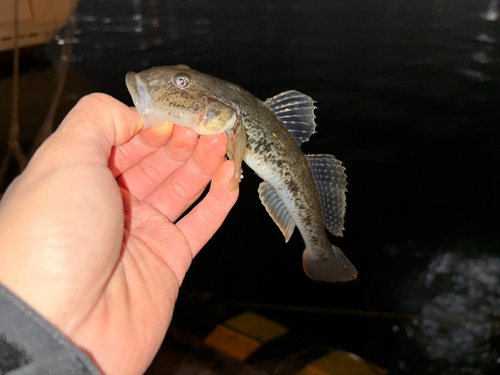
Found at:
[179, 95]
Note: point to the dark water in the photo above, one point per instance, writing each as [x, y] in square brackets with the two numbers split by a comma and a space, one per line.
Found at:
[408, 96]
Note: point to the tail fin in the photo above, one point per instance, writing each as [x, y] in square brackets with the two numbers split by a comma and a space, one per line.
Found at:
[337, 268]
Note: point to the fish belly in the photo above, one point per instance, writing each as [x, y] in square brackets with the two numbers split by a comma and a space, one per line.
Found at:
[308, 217]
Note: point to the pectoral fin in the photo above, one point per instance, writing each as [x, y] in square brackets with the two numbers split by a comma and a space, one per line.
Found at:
[276, 209]
[236, 148]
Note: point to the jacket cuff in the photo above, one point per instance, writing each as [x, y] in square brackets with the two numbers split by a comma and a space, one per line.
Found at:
[31, 345]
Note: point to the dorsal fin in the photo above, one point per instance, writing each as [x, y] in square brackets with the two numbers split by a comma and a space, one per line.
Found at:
[330, 178]
[296, 111]
[276, 209]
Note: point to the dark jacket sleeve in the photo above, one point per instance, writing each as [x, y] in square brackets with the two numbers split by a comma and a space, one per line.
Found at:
[31, 345]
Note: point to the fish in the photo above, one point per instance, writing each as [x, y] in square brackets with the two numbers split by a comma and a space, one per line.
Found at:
[298, 190]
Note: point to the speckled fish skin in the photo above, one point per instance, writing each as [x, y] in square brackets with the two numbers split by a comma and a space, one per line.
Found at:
[272, 151]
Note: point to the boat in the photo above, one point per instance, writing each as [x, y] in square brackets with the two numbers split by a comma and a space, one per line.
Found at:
[39, 21]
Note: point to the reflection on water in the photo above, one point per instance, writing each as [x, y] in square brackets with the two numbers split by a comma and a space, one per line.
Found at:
[459, 299]
[492, 13]
[485, 54]
[458, 36]
[458, 332]
[467, 291]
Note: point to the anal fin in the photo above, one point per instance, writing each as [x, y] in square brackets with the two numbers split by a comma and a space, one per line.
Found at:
[236, 148]
[276, 209]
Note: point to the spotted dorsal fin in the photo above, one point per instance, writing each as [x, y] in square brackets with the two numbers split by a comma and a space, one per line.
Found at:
[276, 209]
[330, 178]
[296, 111]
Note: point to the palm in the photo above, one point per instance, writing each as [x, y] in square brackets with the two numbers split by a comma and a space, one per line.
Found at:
[156, 253]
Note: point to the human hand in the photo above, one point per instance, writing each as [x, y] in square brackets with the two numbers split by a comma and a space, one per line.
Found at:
[89, 231]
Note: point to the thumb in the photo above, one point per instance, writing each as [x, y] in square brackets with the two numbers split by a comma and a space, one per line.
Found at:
[89, 131]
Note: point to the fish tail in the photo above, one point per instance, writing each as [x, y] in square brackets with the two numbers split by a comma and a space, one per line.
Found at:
[337, 268]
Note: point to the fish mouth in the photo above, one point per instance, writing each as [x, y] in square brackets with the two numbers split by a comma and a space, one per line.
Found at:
[138, 92]
[142, 99]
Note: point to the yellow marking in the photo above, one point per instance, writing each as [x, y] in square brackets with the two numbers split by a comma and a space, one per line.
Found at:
[232, 343]
[341, 363]
[213, 123]
[281, 143]
[241, 336]
[256, 326]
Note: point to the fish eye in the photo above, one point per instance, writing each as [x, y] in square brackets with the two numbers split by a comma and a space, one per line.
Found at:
[182, 80]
